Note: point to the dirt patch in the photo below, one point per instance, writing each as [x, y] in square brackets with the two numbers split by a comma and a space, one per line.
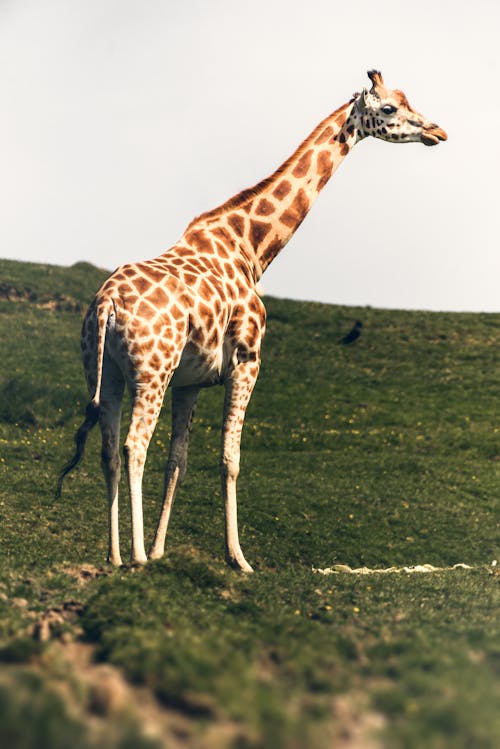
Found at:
[108, 696]
[100, 696]
[52, 622]
[86, 573]
[358, 727]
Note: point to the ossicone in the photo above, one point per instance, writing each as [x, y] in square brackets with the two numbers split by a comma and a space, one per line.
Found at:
[378, 89]
[376, 77]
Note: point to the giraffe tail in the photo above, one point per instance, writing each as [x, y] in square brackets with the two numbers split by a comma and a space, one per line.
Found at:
[91, 418]
[104, 314]
[92, 411]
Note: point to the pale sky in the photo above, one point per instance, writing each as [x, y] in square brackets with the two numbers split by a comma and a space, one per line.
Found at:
[123, 119]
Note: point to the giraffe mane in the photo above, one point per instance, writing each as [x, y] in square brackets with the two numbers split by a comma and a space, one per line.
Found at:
[251, 193]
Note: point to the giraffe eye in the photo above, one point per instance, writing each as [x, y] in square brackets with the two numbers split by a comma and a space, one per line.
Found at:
[388, 109]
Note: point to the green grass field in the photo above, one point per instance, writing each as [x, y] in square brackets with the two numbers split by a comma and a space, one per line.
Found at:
[383, 453]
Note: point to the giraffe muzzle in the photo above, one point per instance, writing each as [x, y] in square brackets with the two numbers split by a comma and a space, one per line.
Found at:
[432, 135]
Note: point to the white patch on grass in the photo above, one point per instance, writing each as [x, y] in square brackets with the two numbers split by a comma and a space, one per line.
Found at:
[422, 568]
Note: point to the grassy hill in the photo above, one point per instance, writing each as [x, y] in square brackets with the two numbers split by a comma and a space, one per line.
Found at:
[382, 453]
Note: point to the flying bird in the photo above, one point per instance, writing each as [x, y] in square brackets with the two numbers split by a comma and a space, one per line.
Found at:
[353, 334]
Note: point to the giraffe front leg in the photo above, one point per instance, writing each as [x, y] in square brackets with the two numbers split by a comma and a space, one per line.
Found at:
[238, 391]
[183, 405]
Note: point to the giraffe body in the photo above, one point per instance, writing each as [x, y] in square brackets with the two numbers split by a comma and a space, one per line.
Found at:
[192, 317]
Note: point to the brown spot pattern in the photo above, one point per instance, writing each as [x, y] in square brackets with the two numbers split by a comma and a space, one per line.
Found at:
[295, 214]
[158, 297]
[265, 207]
[185, 252]
[141, 284]
[252, 332]
[221, 251]
[199, 240]
[205, 290]
[282, 190]
[253, 305]
[222, 233]
[341, 118]
[158, 327]
[242, 289]
[176, 312]
[323, 136]
[270, 252]
[155, 361]
[154, 274]
[237, 223]
[243, 270]
[303, 164]
[197, 335]
[216, 266]
[258, 231]
[325, 167]
[145, 311]
[205, 312]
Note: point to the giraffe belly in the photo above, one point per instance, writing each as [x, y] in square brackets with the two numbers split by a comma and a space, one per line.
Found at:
[198, 367]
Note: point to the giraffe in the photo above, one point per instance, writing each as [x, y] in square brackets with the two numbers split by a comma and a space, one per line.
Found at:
[192, 318]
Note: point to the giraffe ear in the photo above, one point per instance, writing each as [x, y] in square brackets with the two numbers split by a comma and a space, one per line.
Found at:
[362, 100]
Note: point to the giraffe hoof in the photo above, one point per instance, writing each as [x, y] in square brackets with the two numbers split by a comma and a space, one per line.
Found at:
[139, 561]
[115, 561]
[239, 564]
[155, 553]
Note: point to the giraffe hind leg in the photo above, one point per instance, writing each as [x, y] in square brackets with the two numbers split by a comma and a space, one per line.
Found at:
[109, 422]
[183, 405]
[147, 402]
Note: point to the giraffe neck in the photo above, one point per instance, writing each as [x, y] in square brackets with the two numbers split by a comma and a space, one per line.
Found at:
[263, 218]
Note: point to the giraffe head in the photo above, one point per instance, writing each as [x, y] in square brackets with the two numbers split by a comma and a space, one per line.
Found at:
[387, 115]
